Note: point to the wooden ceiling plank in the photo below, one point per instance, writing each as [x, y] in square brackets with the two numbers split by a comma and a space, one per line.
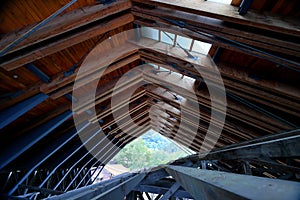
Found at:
[206, 63]
[67, 41]
[89, 75]
[232, 107]
[229, 13]
[291, 64]
[66, 22]
[217, 28]
[247, 91]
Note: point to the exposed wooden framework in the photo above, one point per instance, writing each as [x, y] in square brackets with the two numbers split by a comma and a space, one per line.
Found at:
[255, 50]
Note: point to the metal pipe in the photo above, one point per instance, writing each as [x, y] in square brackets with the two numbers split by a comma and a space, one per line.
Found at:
[87, 174]
[74, 178]
[92, 181]
[89, 179]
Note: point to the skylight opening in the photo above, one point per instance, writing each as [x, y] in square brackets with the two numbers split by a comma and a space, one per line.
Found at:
[178, 74]
[150, 33]
[201, 47]
[182, 42]
[167, 37]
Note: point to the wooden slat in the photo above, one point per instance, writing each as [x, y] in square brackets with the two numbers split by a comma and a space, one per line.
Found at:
[217, 27]
[234, 109]
[64, 23]
[242, 85]
[230, 13]
[190, 113]
[67, 41]
[62, 84]
[205, 61]
[17, 14]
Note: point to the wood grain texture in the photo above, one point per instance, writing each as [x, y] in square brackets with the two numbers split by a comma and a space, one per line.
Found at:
[65, 42]
[265, 21]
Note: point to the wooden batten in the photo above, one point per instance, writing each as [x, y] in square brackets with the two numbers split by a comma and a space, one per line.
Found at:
[65, 42]
[230, 13]
[65, 23]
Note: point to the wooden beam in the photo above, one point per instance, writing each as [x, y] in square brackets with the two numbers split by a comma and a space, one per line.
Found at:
[104, 93]
[236, 109]
[277, 145]
[207, 184]
[284, 104]
[66, 41]
[65, 23]
[190, 112]
[244, 87]
[218, 28]
[228, 73]
[228, 13]
[224, 43]
[186, 123]
[61, 84]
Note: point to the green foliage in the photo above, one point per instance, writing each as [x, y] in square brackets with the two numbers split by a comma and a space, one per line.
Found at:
[150, 150]
[136, 155]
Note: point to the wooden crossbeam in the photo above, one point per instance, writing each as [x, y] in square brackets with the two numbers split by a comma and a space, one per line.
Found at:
[227, 44]
[61, 84]
[229, 13]
[66, 22]
[212, 27]
[66, 41]
[207, 184]
[270, 146]
[232, 107]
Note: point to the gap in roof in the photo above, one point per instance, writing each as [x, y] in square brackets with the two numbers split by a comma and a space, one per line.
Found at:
[221, 1]
[149, 150]
[168, 38]
[162, 69]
